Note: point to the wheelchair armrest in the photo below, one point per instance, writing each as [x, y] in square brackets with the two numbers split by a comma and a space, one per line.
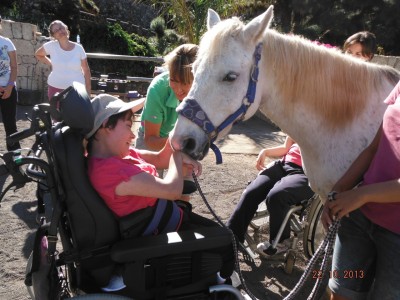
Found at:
[143, 248]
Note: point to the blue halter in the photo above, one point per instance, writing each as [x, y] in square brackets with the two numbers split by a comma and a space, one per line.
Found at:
[192, 110]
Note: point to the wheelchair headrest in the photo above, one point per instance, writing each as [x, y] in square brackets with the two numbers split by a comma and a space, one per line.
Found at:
[73, 107]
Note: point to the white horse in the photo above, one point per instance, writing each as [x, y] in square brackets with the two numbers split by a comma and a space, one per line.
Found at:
[331, 104]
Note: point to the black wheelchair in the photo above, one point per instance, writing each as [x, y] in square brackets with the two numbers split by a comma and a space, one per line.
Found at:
[81, 246]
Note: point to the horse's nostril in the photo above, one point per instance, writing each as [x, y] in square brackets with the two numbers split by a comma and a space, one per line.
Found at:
[196, 151]
[189, 145]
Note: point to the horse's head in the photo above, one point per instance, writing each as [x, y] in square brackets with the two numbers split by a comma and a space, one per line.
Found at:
[222, 71]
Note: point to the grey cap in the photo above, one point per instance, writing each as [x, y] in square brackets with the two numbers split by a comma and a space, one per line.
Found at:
[104, 106]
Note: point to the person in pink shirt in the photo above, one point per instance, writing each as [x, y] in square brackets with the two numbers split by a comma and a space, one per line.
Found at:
[366, 256]
[281, 184]
[126, 178]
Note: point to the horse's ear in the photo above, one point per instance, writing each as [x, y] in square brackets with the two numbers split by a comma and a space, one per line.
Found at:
[256, 27]
[212, 18]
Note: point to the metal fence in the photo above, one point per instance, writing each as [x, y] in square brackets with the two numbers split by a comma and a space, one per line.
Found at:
[159, 60]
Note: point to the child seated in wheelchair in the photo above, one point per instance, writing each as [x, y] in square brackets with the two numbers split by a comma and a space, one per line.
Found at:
[127, 180]
[281, 184]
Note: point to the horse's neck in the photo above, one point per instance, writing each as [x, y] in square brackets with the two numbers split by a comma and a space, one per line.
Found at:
[326, 154]
[327, 150]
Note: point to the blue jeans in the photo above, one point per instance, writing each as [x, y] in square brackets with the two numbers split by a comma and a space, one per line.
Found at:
[366, 259]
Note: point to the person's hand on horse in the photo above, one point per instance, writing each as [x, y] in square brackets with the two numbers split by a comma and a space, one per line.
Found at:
[326, 217]
[191, 165]
[346, 202]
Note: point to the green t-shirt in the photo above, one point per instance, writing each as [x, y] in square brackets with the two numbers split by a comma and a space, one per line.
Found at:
[160, 106]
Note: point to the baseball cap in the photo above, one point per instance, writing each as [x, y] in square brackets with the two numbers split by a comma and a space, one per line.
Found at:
[105, 106]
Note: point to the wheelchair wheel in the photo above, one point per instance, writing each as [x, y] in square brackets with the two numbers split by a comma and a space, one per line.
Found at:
[314, 232]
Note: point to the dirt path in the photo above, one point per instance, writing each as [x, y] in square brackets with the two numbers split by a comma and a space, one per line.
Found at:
[222, 185]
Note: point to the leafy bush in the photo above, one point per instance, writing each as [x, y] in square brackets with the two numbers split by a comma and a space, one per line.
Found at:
[112, 39]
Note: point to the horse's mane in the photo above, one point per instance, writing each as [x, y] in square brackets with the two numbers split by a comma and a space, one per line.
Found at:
[212, 41]
[332, 77]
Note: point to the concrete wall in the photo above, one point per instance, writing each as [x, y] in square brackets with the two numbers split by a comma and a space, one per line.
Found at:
[32, 76]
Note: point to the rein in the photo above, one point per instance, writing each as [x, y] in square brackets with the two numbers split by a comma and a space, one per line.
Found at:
[324, 252]
[234, 241]
[193, 111]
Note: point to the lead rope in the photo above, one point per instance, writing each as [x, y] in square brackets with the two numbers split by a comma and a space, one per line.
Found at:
[324, 250]
[234, 242]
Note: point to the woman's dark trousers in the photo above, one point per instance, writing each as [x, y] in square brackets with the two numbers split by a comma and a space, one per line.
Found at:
[281, 186]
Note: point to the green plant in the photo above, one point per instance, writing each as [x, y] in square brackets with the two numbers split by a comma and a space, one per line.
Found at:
[115, 40]
[164, 39]
[188, 17]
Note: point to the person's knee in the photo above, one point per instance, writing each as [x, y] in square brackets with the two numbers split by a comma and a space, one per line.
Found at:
[277, 201]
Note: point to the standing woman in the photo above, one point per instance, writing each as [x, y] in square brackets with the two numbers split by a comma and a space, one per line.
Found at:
[8, 91]
[164, 94]
[68, 60]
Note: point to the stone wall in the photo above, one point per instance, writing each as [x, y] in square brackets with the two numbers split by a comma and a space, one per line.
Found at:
[32, 76]
[393, 61]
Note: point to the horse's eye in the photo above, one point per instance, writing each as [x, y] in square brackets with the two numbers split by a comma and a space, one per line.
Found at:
[231, 76]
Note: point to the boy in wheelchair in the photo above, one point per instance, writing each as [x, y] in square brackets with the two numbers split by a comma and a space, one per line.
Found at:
[281, 185]
[127, 180]
[134, 238]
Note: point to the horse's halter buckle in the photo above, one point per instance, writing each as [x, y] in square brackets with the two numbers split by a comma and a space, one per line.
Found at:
[193, 111]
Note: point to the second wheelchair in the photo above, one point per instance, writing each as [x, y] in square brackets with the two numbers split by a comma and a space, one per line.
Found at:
[305, 225]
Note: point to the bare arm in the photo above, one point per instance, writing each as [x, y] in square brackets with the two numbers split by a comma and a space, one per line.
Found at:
[349, 180]
[87, 75]
[355, 173]
[277, 151]
[41, 56]
[383, 192]
[161, 159]
[170, 187]
[152, 137]
[13, 75]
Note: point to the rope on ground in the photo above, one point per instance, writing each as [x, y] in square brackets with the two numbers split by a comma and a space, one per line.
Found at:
[324, 250]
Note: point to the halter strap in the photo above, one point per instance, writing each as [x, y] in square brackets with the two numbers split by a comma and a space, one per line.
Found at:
[193, 111]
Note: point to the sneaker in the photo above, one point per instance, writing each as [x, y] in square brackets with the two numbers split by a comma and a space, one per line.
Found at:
[266, 249]
[116, 283]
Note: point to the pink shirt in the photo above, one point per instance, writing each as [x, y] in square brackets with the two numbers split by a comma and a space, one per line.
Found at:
[106, 174]
[293, 155]
[386, 165]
